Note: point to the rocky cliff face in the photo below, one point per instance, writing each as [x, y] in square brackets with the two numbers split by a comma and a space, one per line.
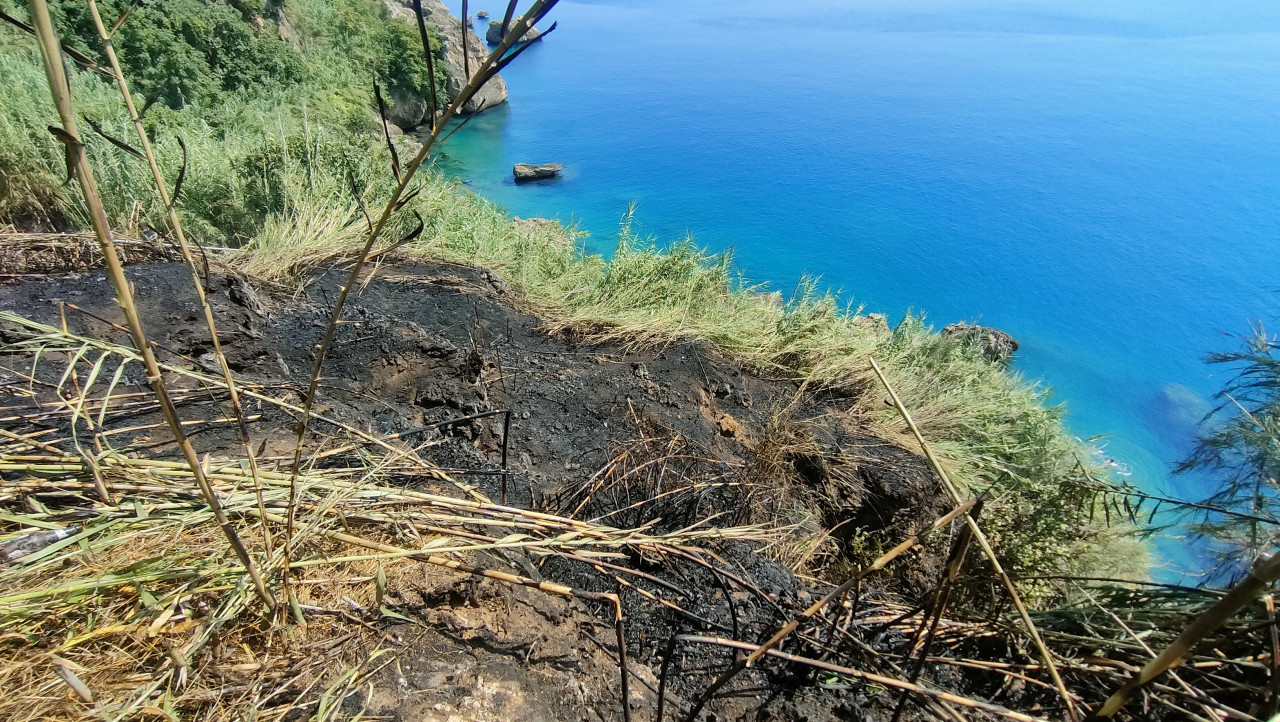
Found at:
[411, 111]
[494, 34]
[993, 344]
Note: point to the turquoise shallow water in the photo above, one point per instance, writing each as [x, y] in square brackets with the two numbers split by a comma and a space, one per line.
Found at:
[1099, 179]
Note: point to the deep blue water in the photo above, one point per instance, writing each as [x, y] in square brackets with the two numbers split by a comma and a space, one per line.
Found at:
[1100, 179]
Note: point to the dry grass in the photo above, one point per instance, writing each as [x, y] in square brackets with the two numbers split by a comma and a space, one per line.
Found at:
[145, 611]
[134, 599]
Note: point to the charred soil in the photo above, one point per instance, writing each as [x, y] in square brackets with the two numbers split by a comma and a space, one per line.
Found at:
[661, 438]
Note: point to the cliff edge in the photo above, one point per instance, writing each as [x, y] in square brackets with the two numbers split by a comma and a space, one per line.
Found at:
[410, 111]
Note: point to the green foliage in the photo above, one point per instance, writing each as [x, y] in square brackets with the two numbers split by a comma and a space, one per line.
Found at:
[186, 51]
[355, 40]
[1241, 448]
[1009, 442]
[261, 117]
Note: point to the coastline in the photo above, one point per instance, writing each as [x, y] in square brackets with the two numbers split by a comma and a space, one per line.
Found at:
[951, 179]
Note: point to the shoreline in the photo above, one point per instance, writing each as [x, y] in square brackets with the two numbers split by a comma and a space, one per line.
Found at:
[902, 203]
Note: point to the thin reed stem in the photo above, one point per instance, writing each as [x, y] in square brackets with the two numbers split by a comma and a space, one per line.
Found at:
[60, 91]
[954, 492]
[176, 225]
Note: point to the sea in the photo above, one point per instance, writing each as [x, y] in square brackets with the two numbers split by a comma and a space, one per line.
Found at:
[1099, 178]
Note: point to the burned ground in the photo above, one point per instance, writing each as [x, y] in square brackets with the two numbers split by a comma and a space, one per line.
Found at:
[662, 437]
[425, 344]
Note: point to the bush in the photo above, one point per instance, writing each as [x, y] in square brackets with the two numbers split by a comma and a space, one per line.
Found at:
[186, 51]
[352, 41]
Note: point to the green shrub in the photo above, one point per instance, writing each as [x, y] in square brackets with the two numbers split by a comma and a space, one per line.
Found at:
[350, 42]
[186, 51]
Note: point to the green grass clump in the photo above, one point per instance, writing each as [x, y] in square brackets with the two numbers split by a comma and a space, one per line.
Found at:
[276, 154]
[1008, 440]
[258, 113]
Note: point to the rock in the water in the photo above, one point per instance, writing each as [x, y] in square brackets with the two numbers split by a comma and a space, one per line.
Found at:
[494, 34]
[995, 345]
[482, 14]
[527, 171]
[435, 13]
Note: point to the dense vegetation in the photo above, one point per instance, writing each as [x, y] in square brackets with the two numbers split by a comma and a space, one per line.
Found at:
[266, 120]
[192, 52]
[276, 111]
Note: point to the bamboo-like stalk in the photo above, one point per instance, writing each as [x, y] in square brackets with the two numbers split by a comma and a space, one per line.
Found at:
[1263, 575]
[61, 93]
[176, 225]
[985, 545]
[482, 75]
[466, 30]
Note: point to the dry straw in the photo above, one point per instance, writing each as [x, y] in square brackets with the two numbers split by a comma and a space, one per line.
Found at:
[78, 164]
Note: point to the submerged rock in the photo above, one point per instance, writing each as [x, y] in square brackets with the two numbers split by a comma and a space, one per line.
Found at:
[527, 171]
[995, 345]
[1175, 414]
[494, 35]
[414, 111]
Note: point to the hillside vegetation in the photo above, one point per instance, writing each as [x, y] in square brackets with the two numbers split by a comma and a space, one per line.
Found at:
[276, 112]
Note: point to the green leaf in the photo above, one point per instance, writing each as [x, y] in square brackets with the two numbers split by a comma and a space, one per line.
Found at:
[396, 615]
[380, 586]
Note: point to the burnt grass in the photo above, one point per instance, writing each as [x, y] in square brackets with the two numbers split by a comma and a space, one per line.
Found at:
[422, 344]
